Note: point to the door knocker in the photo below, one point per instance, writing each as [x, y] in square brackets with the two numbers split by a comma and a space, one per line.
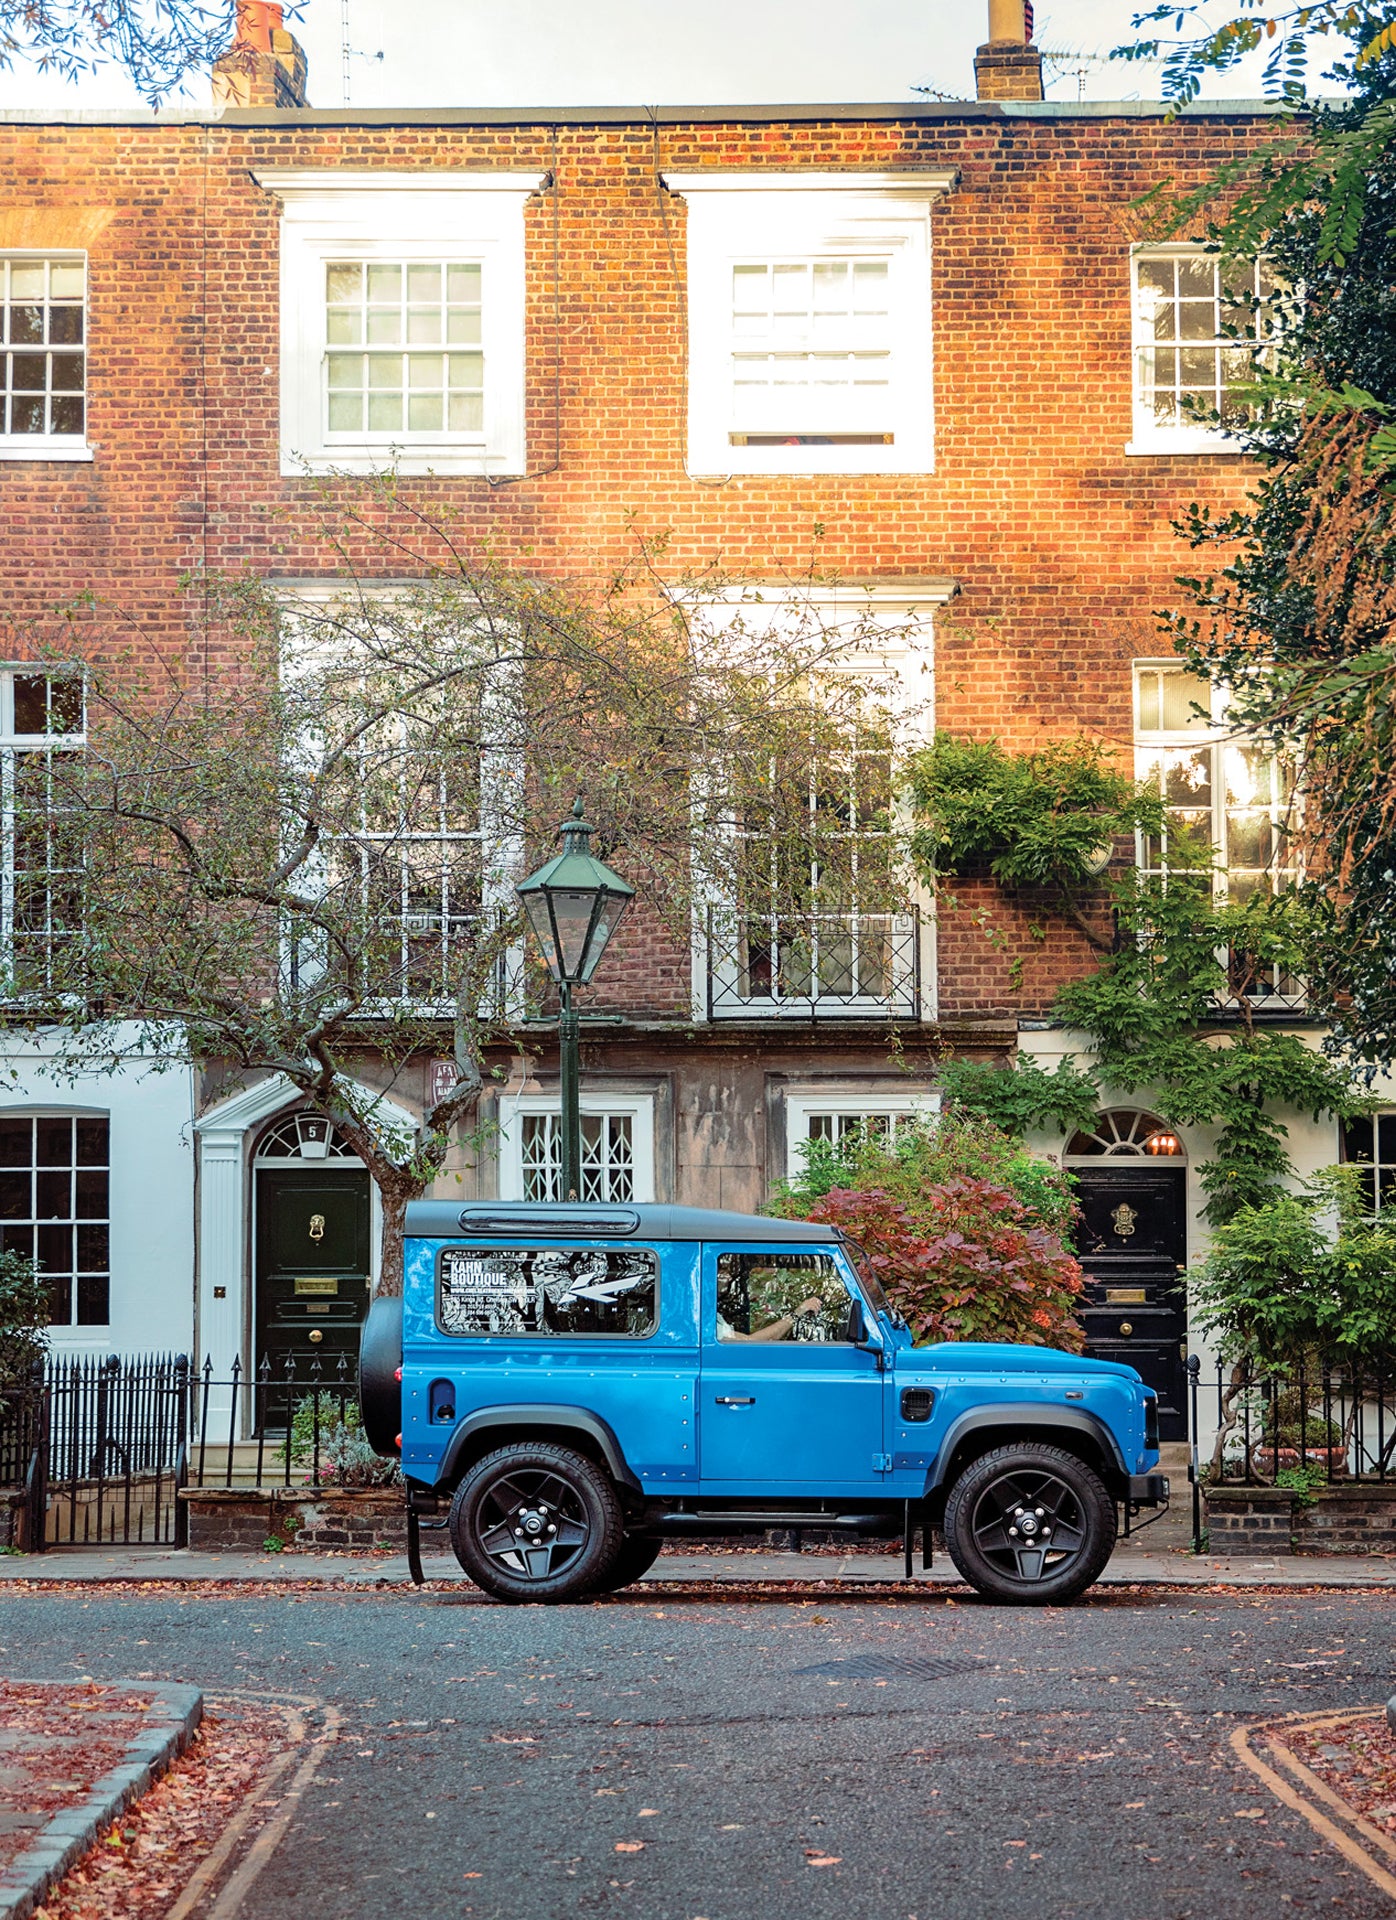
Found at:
[1123, 1219]
[317, 1226]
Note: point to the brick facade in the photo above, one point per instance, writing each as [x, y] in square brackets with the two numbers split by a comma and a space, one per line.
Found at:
[1060, 542]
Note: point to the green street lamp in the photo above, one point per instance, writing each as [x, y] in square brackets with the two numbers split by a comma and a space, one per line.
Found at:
[574, 904]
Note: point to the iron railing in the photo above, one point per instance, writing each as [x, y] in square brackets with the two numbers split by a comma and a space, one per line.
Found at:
[279, 1425]
[812, 964]
[1331, 1417]
[102, 1451]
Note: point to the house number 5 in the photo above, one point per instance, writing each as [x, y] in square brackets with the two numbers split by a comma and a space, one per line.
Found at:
[317, 1226]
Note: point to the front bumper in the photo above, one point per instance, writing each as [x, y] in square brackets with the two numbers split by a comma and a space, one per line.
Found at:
[1148, 1489]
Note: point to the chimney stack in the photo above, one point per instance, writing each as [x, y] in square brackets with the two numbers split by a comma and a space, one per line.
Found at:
[1008, 66]
[265, 66]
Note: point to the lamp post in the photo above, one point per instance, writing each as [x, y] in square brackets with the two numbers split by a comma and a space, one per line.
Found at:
[574, 904]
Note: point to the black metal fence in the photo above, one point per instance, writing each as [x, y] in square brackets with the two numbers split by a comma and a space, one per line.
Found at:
[98, 1451]
[1325, 1420]
[284, 1426]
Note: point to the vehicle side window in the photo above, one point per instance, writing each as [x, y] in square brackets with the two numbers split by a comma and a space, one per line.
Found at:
[549, 1290]
[781, 1296]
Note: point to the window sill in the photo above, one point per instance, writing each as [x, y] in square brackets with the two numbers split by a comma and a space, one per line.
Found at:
[408, 460]
[816, 461]
[1187, 443]
[14, 449]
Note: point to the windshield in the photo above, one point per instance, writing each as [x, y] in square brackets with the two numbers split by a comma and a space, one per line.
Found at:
[868, 1281]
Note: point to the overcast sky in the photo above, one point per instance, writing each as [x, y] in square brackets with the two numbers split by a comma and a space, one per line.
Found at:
[479, 53]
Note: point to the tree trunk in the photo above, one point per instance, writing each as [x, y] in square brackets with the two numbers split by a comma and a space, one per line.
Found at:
[394, 1234]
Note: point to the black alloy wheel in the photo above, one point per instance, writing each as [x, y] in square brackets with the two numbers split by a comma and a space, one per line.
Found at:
[1029, 1524]
[536, 1521]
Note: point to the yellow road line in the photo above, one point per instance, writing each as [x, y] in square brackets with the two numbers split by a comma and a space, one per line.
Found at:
[1355, 1848]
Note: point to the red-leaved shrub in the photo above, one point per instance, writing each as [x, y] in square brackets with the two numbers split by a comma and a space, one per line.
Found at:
[969, 1263]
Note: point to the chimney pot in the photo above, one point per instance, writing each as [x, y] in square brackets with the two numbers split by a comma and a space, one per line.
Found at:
[1008, 66]
[265, 66]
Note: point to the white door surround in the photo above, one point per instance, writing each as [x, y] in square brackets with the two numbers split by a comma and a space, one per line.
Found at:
[225, 1211]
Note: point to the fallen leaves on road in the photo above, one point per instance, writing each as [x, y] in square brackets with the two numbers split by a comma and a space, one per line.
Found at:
[1357, 1759]
[60, 1738]
[143, 1861]
[630, 1846]
[815, 1857]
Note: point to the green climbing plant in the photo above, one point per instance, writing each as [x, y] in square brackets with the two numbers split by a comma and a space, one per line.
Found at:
[1169, 1006]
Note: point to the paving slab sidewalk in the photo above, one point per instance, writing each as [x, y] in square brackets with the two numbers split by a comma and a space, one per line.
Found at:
[165, 1730]
[1129, 1566]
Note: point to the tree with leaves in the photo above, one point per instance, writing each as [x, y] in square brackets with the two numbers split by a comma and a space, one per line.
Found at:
[1297, 616]
[156, 42]
[301, 861]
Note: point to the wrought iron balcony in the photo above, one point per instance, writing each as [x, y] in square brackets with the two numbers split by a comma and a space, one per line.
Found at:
[812, 966]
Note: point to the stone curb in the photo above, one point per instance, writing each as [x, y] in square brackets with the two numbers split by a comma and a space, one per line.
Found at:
[189, 1571]
[28, 1880]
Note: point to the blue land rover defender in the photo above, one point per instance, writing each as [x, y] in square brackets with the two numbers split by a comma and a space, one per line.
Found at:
[571, 1385]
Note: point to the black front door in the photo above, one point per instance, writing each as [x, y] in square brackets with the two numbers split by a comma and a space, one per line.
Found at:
[312, 1266]
[1132, 1242]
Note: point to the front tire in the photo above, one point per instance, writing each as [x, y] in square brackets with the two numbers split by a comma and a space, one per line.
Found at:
[1030, 1525]
[636, 1556]
[536, 1521]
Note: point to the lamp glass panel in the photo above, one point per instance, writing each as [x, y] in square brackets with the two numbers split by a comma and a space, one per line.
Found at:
[540, 919]
[612, 906]
[572, 918]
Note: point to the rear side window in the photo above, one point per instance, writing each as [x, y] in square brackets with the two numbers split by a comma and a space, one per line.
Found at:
[549, 1290]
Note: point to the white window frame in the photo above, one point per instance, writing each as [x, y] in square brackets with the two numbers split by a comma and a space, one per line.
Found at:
[427, 217]
[767, 217]
[53, 446]
[501, 846]
[1211, 738]
[72, 1327]
[801, 1107]
[12, 745]
[906, 658]
[637, 1107]
[1147, 437]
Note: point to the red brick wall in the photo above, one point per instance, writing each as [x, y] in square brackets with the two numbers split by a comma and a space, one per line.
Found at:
[1060, 543]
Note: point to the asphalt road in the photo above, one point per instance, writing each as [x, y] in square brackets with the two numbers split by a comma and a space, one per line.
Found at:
[949, 1760]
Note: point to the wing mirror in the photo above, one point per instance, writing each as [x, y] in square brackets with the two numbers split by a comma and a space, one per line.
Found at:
[858, 1332]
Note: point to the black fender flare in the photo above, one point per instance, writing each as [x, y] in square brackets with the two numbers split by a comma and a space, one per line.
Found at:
[1016, 1417]
[522, 1417]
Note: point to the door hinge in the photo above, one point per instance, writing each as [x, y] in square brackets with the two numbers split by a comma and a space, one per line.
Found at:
[882, 1463]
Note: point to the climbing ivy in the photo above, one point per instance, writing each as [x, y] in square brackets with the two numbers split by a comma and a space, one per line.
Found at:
[1038, 819]
[1169, 1008]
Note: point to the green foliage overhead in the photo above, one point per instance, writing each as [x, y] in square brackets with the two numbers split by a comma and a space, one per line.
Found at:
[1297, 613]
[1032, 819]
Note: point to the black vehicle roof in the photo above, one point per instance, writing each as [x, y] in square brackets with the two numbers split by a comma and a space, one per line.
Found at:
[497, 1219]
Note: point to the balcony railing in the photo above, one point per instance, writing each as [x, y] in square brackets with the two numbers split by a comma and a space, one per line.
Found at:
[804, 966]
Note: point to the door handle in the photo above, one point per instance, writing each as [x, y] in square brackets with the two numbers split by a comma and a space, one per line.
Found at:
[736, 1400]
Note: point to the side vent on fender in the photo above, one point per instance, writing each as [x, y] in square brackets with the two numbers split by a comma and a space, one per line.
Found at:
[917, 1403]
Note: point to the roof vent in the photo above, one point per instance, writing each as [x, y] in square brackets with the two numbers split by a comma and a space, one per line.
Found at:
[556, 1222]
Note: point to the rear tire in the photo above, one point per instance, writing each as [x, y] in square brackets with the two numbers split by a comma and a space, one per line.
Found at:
[636, 1556]
[535, 1521]
[1029, 1525]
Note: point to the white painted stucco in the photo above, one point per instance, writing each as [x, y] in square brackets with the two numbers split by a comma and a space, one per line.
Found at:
[149, 1102]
